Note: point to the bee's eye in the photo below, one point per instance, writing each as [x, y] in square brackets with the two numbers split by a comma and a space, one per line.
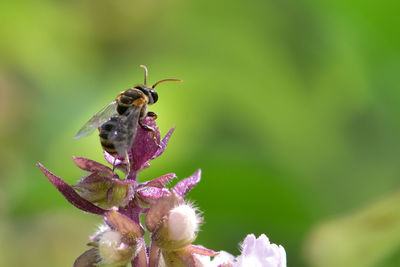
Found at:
[154, 95]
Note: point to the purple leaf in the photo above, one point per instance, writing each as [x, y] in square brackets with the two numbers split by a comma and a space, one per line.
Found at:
[184, 186]
[162, 180]
[89, 258]
[92, 166]
[144, 146]
[148, 194]
[69, 193]
[163, 143]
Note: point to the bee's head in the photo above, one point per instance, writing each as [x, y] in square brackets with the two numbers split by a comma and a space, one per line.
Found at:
[149, 92]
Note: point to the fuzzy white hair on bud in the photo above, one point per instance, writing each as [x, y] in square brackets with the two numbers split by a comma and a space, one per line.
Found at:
[183, 222]
[113, 250]
[102, 228]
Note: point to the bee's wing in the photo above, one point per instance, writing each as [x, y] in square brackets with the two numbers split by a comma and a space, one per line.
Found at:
[98, 119]
[125, 131]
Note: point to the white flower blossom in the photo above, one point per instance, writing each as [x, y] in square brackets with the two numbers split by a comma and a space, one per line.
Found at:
[260, 253]
[256, 252]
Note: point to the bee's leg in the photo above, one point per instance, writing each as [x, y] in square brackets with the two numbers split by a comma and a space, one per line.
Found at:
[149, 129]
[152, 114]
[128, 164]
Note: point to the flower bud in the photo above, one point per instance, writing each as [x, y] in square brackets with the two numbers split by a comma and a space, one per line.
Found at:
[179, 228]
[182, 223]
[105, 192]
[113, 250]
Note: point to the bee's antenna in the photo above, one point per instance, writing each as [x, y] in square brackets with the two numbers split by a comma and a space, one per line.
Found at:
[145, 73]
[166, 80]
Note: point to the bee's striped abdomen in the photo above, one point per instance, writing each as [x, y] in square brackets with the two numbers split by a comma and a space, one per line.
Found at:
[113, 125]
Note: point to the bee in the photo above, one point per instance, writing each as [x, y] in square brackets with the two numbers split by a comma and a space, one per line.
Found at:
[118, 120]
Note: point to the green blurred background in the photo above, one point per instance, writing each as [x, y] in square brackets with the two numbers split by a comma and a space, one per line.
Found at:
[291, 109]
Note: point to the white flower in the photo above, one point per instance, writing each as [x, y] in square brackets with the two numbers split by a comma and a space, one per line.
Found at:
[255, 253]
[260, 253]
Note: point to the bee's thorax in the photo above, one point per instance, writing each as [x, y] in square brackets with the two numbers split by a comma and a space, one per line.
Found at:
[131, 98]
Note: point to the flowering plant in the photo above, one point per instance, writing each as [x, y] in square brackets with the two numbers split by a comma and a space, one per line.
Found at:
[172, 222]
